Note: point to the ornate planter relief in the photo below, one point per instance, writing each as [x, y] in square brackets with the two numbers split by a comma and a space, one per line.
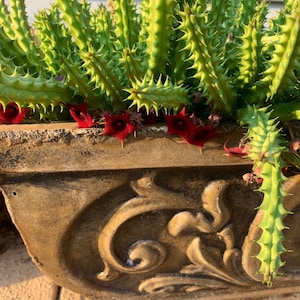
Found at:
[175, 232]
[148, 255]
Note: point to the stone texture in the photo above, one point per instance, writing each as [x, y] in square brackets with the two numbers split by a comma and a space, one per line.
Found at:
[26, 149]
[180, 225]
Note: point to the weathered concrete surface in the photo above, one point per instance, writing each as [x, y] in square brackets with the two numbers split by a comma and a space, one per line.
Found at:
[26, 148]
[21, 280]
[98, 222]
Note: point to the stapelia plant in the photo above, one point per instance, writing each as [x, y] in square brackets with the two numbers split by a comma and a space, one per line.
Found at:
[157, 58]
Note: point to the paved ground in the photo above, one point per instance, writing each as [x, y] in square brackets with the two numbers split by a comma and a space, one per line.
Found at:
[20, 279]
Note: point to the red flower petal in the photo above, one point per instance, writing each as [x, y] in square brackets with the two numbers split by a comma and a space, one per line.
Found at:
[179, 124]
[118, 125]
[80, 115]
[12, 114]
[236, 151]
[200, 135]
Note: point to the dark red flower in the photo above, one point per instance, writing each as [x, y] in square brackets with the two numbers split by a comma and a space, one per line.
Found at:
[12, 114]
[179, 124]
[236, 151]
[80, 114]
[119, 126]
[200, 135]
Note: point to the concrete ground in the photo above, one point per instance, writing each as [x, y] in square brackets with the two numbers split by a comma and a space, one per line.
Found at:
[20, 279]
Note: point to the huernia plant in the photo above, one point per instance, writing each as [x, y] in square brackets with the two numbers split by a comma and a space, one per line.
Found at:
[159, 58]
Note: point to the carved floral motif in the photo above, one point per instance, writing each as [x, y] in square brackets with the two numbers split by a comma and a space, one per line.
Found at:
[143, 232]
[209, 267]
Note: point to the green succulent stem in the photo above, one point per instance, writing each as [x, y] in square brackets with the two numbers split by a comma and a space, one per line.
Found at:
[98, 68]
[251, 59]
[265, 152]
[104, 34]
[285, 57]
[161, 16]
[32, 91]
[132, 64]
[104, 77]
[271, 239]
[15, 31]
[206, 60]
[126, 23]
[150, 93]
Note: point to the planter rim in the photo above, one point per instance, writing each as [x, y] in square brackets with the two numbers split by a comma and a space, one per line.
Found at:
[63, 147]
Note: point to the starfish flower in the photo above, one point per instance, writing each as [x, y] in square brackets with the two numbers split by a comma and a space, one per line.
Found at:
[12, 114]
[200, 135]
[80, 115]
[119, 126]
[179, 124]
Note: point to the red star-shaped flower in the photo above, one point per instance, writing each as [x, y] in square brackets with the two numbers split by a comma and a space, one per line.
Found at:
[119, 126]
[80, 114]
[200, 135]
[12, 114]
[179, 124]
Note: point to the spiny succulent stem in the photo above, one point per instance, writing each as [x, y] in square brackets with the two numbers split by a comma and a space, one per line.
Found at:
[265, 151]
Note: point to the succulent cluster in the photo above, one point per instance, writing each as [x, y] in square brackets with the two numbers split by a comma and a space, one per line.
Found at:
[153, 57]
[157, 57]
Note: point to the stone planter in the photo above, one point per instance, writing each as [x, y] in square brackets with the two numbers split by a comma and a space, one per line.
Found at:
[153, 219]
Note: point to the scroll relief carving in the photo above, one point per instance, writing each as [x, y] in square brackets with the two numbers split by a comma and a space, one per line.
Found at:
[205, 266]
